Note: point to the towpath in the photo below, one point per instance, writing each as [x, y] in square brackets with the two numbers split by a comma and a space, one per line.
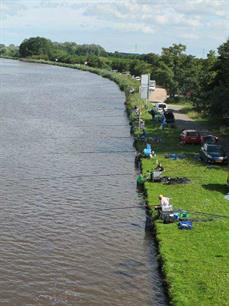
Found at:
[182, 120]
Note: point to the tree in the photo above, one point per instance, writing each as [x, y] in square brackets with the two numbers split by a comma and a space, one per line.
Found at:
[152, 59]
[11, 50]
[164, 76]
[216, 91]
[90, 50]
[138, 67]
[120, 64]
[95, 61]
[174, 57]
[36, 46]
[207, 74]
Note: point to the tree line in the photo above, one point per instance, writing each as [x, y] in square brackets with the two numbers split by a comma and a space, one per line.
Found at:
[204, 82]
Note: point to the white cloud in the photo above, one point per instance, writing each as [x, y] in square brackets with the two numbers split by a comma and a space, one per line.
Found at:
[186, 13]
[135, 27]
[161, 19]
[168, 20]
[188, 36]
[10, 8]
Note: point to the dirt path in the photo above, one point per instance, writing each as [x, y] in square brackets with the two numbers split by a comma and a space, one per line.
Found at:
[182, 120]
[158, 95]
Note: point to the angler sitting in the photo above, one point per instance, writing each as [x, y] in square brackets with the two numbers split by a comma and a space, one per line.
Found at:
[165, 207]
[159, 168]
[155, 175]
[148, 151]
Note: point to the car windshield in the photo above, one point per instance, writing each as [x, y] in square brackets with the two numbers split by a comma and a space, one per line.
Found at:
[192, 134]
[214, 149]
[161, 106]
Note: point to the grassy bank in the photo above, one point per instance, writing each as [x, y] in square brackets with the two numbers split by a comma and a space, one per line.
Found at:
[195, 262]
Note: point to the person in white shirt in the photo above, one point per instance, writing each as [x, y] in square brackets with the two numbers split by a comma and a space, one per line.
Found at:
[164, 202]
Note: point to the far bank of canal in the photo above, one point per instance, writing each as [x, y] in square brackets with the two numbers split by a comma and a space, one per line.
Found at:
[66, 154]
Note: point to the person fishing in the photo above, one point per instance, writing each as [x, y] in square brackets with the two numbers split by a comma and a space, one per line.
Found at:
[159, 167]
[164, 205]
[164, 201]
[163, 121]
[152, 113]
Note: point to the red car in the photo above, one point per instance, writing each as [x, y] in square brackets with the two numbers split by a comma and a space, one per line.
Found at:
[190, 137]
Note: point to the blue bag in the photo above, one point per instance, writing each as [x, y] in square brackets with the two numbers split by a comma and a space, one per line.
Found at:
[185, 225]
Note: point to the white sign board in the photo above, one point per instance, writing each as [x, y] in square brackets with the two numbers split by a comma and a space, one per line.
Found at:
[145, 80]
[144, 86]
[144, 92]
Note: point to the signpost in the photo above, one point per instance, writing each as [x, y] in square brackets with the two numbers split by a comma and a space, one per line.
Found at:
[147, 86]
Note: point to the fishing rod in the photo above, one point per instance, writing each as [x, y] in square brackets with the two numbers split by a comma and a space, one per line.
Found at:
[113, 208]
[144, 207]
[101, 125]
[141, 207]
[118, 208]
[211, 216]
[105, 152]
[208, 214]
[79, 176]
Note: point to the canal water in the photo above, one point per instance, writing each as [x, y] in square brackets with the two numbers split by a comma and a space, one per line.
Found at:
[66, 159]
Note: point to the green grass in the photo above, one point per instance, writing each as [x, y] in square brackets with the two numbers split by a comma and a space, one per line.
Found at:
[195, 262]
[191, 113]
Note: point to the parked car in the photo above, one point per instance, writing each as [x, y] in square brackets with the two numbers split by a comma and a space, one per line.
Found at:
[213, 153]
[228, 176]
[190, 137]
[211, 139]
[161, 107]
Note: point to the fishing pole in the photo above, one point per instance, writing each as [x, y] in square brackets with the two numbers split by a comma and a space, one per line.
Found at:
[105, 152]
[113, 208]
[118, 208]
[78, 176]
[208, 214]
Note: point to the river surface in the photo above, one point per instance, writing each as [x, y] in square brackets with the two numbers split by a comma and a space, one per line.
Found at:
[66, 159]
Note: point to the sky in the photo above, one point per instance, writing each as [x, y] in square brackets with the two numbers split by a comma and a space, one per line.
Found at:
[138, 26]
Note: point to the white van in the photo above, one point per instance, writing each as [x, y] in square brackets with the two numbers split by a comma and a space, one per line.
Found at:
[161, 106]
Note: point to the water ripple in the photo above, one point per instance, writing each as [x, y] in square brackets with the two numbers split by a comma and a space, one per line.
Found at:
[66, 163]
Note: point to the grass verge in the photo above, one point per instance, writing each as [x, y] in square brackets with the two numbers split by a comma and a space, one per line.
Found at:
[195, 262]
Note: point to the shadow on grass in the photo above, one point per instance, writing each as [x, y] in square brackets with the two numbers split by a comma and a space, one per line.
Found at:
[187, 124]
[215, 167]
[222, 188]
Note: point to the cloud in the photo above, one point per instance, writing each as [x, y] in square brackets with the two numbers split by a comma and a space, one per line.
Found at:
[187, 14]
[164, 21]
[11, 8]
[188, 36]
[135, 27]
